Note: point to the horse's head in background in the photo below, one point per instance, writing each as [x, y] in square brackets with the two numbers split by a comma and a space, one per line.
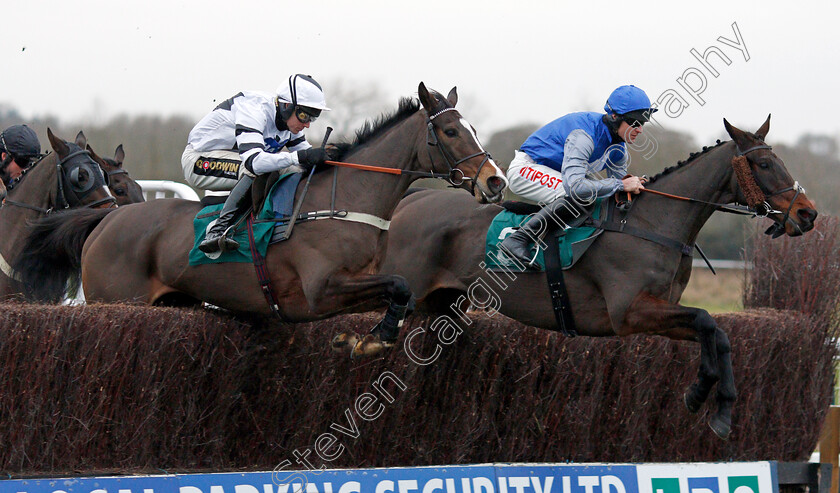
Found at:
[453, 147]
[764, 184]
[124, 188]
[81, 181]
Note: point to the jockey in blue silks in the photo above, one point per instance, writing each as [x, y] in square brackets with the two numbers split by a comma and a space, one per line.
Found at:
[555, 165]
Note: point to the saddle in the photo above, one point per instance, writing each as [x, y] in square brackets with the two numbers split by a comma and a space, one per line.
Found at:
[572, 242]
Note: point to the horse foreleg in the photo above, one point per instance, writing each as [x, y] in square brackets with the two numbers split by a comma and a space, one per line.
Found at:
[653, 316]
[360, 291]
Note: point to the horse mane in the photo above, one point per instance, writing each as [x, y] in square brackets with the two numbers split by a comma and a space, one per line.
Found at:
[691, 158]
[29, 168]
[379, 125]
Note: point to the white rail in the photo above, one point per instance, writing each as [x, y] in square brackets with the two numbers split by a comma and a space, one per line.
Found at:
[161, 188]
[720, 264]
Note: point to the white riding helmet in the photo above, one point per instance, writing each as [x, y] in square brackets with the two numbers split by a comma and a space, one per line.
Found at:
[302, 90]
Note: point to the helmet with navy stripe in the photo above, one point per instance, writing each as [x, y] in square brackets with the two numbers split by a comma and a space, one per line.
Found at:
[301, 93]
[630, 103]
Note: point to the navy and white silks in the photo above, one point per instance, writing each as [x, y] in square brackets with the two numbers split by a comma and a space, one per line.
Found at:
[560, 159]
[240, 136]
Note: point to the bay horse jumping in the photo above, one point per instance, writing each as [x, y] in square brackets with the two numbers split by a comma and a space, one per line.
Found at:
[64, 179]
[140, 253]
[623, 284]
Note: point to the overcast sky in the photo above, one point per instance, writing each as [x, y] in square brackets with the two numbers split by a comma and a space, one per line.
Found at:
[513, 62]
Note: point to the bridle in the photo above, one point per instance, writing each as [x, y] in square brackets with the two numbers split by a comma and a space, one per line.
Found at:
[109, 174]
[455, 175]
[757, 196]
[69, 186]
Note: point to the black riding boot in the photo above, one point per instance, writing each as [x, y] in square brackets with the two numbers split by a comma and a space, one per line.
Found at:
[216, 240]
[518, 244]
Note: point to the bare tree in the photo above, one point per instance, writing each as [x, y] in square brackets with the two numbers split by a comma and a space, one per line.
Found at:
[352, 102]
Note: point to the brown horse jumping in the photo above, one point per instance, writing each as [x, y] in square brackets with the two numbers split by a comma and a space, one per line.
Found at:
[66, 178]
[624, 284]
[140, 253]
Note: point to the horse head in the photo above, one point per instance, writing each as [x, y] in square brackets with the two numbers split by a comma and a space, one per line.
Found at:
[81, 181]
[458, 150]
[764, 184]
[123, 187]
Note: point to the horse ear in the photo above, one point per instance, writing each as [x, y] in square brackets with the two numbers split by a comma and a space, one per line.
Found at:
[426, 98]
[738, 135]
[58, 145]
[765, 127]
[81, 140]
[452, 97]
[119, 155]
[101, 162]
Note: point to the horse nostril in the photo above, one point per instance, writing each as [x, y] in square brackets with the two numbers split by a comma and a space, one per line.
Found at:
[496, 184]
[807, 215]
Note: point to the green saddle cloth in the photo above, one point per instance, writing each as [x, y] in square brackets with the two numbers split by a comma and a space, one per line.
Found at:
[507, 222]
[263, 228]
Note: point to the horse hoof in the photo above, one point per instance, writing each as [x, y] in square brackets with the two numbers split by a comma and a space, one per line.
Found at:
[721, 426]
[691, 402]
[344, 341]
[371, 345]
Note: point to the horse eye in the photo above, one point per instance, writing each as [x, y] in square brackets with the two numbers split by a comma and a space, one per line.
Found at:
[764, 165]
[120, 192]
[450, 133]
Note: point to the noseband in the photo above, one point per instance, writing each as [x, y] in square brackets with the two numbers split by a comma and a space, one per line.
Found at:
[757, 195]
[455, 176]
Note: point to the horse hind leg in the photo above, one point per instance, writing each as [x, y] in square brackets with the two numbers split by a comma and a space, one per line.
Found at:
[721, 422]
[686, 323]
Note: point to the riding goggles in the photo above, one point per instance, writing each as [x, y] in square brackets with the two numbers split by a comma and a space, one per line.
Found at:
[24, 161]
[306, 115]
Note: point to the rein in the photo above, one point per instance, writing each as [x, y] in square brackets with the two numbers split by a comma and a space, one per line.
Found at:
[756, 195]
[756, 198]
[455, 176]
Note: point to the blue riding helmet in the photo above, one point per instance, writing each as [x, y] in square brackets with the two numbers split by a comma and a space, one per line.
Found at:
[20, 140]
[630, 99]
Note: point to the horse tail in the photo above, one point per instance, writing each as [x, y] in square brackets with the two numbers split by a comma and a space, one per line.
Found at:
[50, 261]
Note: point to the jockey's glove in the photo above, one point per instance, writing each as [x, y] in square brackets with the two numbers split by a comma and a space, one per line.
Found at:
[311, 157]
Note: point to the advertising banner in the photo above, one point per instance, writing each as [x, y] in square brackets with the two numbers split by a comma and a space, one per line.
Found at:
[753, 477]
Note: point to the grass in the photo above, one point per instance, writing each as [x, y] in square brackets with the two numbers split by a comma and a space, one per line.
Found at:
[719, 293]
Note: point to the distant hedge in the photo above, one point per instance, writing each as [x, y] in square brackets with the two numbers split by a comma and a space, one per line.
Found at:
[797, 273]
[110, 388]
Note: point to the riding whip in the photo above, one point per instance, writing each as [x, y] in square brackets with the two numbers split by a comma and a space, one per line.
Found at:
[299, 203]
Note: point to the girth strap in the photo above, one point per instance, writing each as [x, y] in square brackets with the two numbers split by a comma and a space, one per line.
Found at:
[7, 269]
[622, 227]
[557, 287]
[262, 272]
[356, 217]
